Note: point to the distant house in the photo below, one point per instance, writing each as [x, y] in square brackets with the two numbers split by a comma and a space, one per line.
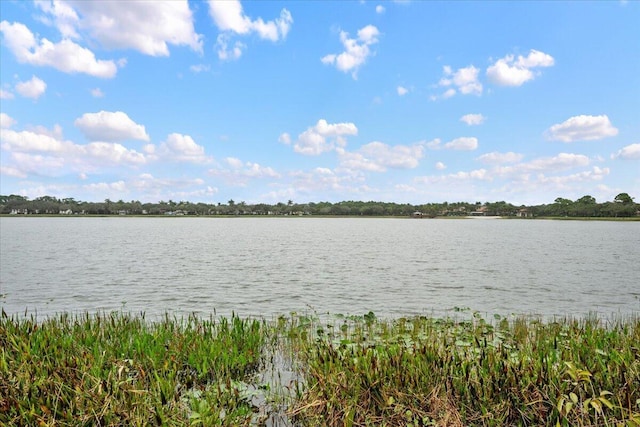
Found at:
[524, 213]
[481, 211]
[417, 214]
[66, 212]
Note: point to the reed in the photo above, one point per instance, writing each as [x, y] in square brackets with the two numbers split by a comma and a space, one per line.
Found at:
[116, 369]
[420, 371]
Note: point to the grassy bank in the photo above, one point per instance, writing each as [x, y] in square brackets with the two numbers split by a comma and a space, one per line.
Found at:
[119, 369]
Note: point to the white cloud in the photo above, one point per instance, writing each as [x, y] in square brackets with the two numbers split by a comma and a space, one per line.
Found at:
[629, 152]
[560, 162]
[167, 188]
[380, 9]
[102, 188]
[462, 144]
[45, 152]
[596, 174]
[11, 171]
[5, 94]
[377, 157]
[199, 68]
[226, 53]
[180, 147]
[147, 27]
[239, 172]
[402, 90]
[582, 128]
[434, 144]
[110, 126]
[29, 141]
[97, 93]
[33, 88]
[65, 56]
[509, 71]
[464, 80]
[473, 119]
[6, 121]
[285, 138]
[229, 16]
[230, 19]
[356, 51]
[320, 179]
[64, 16]
[113, 153]
[323, 137]
[496, 158]
[440, 166]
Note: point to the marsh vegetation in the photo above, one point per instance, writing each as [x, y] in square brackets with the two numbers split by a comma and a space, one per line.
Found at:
[307, 370]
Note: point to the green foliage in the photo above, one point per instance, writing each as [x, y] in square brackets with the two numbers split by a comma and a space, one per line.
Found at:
[586, 206]
[116, 369]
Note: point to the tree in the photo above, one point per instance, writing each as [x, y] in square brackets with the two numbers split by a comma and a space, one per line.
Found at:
[623, 198]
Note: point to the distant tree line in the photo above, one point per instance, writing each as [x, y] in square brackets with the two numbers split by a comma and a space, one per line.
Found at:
[622, 205]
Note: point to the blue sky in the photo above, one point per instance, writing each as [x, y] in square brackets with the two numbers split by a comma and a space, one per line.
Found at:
[311, 101]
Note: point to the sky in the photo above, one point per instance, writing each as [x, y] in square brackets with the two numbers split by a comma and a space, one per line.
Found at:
[266, 101]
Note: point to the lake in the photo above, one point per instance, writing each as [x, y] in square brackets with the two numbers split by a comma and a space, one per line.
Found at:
[271, 266]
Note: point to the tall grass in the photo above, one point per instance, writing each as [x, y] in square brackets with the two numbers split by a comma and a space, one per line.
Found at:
[117, 369]
[422, 371]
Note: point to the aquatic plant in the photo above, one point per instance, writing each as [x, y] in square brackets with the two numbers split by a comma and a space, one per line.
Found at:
[115, 369]
[425, 371]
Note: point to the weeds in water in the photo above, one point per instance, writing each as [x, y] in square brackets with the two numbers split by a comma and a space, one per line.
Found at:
[423, 371]
[118, 369]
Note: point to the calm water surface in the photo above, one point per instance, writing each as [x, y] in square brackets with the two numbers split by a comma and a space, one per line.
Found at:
[271, 266]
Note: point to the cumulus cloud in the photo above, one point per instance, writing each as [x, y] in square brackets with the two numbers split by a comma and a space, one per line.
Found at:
[377, 157]
[462, 144]
[227, 52]
[239, 173]
[560, 162]
[582, 128]
[629, 152]
[65, 56]
[356, 51]
[148, 27]
[496, 158]
[323, 137]
[561, 182]
[6, 121]
[473, 119]
[321, 179]
[231, 20]
[32, 141]
[464, 80]
[440, 166]
[512, 71]
[180, 147]
[380, 9]
[113, 153]
[402, 90]
[110, 126]
[33, 88]
[45, 152]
